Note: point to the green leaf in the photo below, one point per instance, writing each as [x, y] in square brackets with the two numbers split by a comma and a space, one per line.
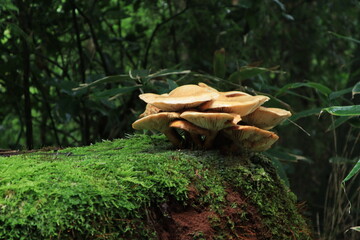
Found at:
[353, 171]
[248, 72]
[280, 4]
[110, 93]
[172, 84]
[302, 114]
[345, 37]
[288, 16]
[109, 79]
[319, 87]
[17, 31]
[355, 122]
[167, 72]
[9, 6]
[356, 89]
[137, 74]
[208, 77]
[338, 94]
[341, 160]
[339, 121]
[357, 228]
[287, 157]
[353, 110]
[219, 63]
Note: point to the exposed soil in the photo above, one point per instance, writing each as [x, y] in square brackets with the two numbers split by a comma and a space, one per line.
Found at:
[238, 220]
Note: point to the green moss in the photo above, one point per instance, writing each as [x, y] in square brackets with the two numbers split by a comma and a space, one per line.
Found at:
[277, 205]
[107, 190]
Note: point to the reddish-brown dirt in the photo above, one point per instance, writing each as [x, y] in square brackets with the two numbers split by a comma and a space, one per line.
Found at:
[237, 220]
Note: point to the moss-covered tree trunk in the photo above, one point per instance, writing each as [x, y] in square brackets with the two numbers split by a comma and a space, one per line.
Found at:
[140, 188]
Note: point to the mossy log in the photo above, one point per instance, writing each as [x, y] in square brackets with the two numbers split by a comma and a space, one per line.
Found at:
[141, 188]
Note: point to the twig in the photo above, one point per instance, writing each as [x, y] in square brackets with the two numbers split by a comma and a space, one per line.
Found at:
[94, 37]
[154, 32]
[86, 126]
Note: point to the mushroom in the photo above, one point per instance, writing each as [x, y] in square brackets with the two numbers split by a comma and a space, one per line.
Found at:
[160, 122]
[266, 118]
[226, 94]
[213, 121]
[204, 85]
[194, 131]
[242, 105]
[251, 138]
[234, 94]
[149, 110]
[186, 96]
[200, 110]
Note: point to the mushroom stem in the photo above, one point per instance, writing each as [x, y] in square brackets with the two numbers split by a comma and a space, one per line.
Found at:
[209, 139]
[196, 138]
[174, 137]
[193, 140]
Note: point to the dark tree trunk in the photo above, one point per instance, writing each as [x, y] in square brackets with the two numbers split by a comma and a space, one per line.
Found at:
[84, 120]
[24, 23]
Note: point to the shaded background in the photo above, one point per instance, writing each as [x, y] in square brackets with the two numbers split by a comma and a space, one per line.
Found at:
[302, 53]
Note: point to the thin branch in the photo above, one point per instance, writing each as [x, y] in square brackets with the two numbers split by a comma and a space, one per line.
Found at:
[158, 26]
[86, 126]
[24, 21]
[48, 109]
[93, 35]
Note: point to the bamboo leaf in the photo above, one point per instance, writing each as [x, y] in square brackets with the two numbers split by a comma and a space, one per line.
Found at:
[345, 37]
[357, 228]
[339, 121]
[248, 72]
[167, 72]
[302, 114]
[317, 86]
[109, 79]
[140, 73]
[7, 5]
[337, 94]
[286, 157]
[355, 122]
[172, 84]
[356, 89]
[340, 160]
[353, 110]
[353, 171]
[110, 93]
[219, 63]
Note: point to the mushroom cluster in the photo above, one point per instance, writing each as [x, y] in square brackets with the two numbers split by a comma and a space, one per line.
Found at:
[199, 116]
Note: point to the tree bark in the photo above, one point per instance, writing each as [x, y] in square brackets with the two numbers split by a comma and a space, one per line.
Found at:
[84, 120]
[25, 26]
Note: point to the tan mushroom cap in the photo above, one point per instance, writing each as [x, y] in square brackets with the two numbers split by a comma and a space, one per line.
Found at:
[160, 122]
[204, 85]
[251, 138]
[242, 105]
[226, 94]
[234, 94]
[211, 121]
[186, 96]
[149, 110]
[266, 118]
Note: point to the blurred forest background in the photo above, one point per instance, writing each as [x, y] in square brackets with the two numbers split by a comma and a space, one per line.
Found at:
[71, 72]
